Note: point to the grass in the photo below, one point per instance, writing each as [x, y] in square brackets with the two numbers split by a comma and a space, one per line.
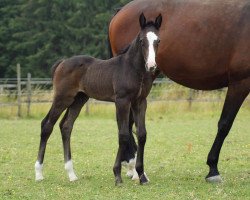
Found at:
[175, 155]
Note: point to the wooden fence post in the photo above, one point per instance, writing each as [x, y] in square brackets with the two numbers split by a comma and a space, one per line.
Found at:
[28, 93]
[190, 98]
[19, 92]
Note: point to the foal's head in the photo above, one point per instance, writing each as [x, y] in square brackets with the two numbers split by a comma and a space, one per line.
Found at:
[149, 40]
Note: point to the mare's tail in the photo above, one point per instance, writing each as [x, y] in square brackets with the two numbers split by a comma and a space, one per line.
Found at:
[109, 48]
[108, 39]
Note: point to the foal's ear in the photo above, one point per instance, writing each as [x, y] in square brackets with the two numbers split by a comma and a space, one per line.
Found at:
[158, 21]
[142, 21]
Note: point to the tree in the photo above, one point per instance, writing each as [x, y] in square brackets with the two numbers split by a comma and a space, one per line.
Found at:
[37, 33]
[8, 12]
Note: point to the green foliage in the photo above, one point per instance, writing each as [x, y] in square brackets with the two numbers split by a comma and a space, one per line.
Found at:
[37, 33]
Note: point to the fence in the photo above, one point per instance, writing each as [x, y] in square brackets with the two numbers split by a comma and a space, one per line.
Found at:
[22, 92]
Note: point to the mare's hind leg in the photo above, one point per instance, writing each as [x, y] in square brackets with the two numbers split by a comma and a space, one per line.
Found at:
[236, 94]
[58, 106]
[66, 126]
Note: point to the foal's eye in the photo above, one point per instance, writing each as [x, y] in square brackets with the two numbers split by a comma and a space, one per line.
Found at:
[158, 41]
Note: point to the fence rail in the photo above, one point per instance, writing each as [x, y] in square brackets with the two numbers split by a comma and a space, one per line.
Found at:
[26, 91]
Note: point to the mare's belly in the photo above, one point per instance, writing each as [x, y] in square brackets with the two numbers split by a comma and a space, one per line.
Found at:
[200, 78]
[201, 83]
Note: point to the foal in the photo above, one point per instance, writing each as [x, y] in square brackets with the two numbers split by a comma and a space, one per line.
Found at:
[123, 80]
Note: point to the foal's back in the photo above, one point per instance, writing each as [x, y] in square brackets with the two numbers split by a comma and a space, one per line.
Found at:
[86, 74]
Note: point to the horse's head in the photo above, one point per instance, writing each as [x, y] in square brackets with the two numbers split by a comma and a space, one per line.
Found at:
[149, 40]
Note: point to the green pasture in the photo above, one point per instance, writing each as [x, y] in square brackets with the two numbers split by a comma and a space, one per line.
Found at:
[179, 139]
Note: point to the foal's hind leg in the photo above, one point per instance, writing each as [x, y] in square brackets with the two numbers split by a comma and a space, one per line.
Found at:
[66, 126]
[235, 96]
[58, 106]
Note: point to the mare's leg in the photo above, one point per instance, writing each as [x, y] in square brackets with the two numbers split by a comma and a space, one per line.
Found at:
[66, 126]
[236, 94]
[139, 110]
[122, 115]
[58, 106]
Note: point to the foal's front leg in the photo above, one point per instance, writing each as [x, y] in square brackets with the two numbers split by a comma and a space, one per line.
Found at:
[139, 110]
[129, 156]
[122, 115]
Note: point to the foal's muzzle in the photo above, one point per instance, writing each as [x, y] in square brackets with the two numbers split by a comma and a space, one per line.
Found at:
[151, 68]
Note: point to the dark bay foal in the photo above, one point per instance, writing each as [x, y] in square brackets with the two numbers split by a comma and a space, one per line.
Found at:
[125, 80]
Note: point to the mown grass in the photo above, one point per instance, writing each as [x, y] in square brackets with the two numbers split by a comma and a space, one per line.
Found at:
[179, 139]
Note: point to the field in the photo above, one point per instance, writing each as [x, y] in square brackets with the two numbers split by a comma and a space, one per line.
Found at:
[179, 140]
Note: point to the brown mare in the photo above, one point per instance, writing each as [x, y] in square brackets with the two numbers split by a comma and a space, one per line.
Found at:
[125, 80]
[204, 45]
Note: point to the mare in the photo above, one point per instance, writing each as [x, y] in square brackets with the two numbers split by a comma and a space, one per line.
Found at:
[125, 80]
[205, 44]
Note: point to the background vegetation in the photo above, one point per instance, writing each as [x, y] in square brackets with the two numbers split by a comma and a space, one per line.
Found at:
[37, 33]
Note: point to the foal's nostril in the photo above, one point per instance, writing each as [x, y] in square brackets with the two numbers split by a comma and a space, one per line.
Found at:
[152, 69]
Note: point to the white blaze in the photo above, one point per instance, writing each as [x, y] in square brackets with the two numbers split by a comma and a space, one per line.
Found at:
[151, 36]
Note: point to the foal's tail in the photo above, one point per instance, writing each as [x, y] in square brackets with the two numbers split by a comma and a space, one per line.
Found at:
[53, 69]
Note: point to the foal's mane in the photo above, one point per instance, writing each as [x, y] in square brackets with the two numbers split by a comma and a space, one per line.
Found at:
[124, 50]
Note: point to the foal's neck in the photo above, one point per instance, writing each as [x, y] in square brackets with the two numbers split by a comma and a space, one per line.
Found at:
[135, 57]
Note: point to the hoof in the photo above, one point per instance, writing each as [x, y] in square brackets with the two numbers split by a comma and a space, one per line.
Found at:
[130, 174]
[72, 179]
[118, 182]
[135, 175]
[38, 171]
[214, 179]
[144, 179]
[39, 178]
[130, 167]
